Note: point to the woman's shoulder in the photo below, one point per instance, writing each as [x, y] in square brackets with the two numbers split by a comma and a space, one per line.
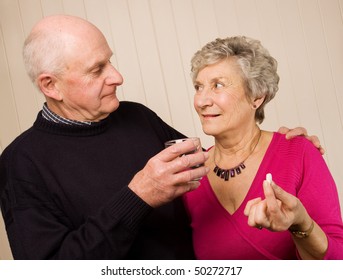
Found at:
[295, 147]
[297, 141]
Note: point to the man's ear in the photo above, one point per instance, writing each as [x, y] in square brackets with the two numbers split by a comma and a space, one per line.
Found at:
[47, 85]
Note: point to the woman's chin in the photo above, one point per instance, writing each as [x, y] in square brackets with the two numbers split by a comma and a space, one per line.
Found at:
[209, 132]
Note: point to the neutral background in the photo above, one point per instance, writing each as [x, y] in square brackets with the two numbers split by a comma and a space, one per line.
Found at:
[153, 41]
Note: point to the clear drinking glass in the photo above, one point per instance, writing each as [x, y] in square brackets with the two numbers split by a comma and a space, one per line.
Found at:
[198, 149]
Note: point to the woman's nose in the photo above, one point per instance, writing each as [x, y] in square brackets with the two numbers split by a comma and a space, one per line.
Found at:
[203, 98]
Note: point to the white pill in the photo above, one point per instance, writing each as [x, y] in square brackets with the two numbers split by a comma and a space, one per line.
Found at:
[269, 177]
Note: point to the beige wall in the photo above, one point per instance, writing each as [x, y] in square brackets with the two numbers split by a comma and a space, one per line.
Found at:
[153, 41]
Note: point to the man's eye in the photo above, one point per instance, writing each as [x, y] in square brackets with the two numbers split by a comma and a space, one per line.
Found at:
[98, 71]
[197, 87]
[218, 85]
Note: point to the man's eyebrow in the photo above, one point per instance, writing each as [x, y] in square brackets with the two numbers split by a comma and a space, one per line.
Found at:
[99, 63]
[91, 68]
[95, 65]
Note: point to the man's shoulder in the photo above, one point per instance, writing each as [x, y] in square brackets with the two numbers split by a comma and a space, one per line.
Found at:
[132, 105]
[133, 109]
[20, 141]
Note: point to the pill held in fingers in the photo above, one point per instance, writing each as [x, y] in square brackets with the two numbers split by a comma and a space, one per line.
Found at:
[269, 178]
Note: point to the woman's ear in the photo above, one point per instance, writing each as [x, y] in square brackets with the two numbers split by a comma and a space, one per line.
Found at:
[257, 102]
[47, 85]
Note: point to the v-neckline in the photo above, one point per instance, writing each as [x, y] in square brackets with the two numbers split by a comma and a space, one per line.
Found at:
[255, 184]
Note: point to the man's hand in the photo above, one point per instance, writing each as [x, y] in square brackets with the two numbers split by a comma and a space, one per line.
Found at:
[301, 131]
[169, 174]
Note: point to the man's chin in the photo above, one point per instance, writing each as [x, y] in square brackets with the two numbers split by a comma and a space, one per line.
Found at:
[112, 105]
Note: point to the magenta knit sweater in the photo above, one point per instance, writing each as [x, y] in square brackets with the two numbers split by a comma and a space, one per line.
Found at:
[297, 167]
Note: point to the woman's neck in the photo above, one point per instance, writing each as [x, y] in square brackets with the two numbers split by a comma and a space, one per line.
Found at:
[235, 148]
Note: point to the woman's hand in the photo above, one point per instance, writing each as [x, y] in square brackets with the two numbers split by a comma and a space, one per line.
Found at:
[301, 131]
[278, 211]
[281, 210]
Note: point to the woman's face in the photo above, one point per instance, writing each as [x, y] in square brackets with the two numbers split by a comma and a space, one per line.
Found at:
[220, 99]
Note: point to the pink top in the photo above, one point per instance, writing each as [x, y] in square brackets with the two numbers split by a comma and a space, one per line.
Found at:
[297, 167]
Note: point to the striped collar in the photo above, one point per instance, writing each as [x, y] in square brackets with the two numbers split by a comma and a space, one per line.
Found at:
[51, 116]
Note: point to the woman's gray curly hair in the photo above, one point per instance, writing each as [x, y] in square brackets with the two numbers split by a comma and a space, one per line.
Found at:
[259, 69]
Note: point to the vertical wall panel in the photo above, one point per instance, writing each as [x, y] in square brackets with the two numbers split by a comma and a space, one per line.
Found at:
[271, 36]
[75, 7]
[13, 37]
[126, 53]
[28, 21]
[248, 20]
[9, 122]
[323, 84]
[333, 31]
[31, 18]
[149, 60]
[188, 42]
[299, 68]
[5, 251]
[171, 65]
[51, 7]
[227, 20]
[206, 20]
[317, 51]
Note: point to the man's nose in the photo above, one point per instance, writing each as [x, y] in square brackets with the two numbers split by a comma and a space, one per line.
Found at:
[114, 77]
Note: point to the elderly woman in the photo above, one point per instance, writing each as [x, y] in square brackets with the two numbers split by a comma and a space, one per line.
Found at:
[236, 213]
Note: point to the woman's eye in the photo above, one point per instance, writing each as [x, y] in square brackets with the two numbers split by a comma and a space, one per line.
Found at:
[197, 87]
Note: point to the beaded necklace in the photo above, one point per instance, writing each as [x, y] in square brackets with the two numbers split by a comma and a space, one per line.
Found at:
[225, 174]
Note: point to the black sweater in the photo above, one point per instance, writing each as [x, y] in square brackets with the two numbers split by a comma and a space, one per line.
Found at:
[64, 191]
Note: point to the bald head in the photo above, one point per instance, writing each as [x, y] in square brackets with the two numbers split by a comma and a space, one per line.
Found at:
[64, 24]
[53, 40]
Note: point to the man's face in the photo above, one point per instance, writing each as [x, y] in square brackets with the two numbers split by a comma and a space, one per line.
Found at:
[88, 84]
